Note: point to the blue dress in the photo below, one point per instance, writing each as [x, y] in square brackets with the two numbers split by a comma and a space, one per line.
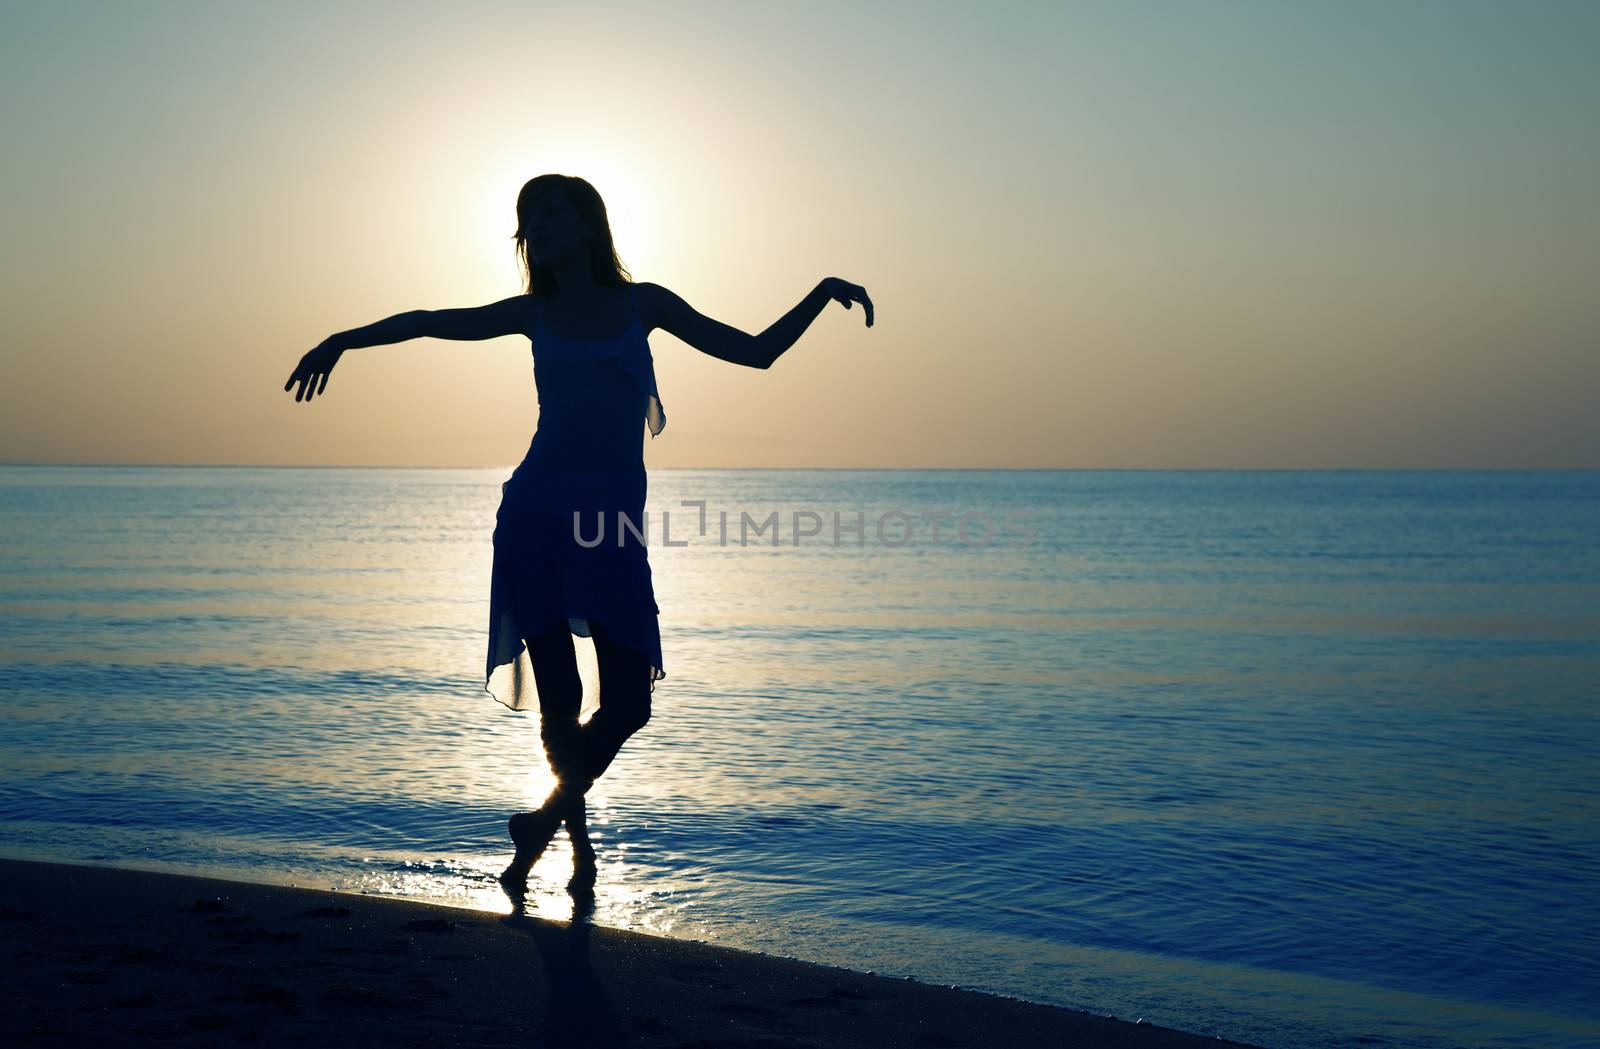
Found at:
[586, 459]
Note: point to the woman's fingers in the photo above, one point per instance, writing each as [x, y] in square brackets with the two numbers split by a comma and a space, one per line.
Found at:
[307, 380]
[312, 375]
[856, 293]
[301, 373]
[849, 294]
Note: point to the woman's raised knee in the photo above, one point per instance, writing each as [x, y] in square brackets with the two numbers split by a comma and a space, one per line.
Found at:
[637, 715]
[626, 709]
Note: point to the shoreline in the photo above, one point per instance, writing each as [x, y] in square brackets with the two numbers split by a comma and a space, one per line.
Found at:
[118, 956]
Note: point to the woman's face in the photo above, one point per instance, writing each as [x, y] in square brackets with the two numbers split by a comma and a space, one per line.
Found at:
[554, 230]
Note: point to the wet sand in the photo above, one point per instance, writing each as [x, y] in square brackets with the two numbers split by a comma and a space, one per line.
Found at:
[106, 956]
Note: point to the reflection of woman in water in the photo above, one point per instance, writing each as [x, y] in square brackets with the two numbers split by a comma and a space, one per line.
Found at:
[583, 476]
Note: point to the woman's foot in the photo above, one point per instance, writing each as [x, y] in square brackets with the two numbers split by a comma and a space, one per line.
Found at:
[583, 855]
[531, 832]
[584, 872]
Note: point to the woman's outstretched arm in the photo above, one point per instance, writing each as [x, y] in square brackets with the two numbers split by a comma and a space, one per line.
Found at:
[728, 343]
[505, 317]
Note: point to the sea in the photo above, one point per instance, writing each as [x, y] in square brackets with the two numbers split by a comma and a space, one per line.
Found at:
[1296, 758]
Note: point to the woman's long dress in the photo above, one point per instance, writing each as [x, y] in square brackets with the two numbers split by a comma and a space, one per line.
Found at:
[586, 459]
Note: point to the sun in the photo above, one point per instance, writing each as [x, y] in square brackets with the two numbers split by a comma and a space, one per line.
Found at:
[493, 189]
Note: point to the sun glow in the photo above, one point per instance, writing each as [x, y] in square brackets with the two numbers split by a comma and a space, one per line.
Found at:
[493, 191]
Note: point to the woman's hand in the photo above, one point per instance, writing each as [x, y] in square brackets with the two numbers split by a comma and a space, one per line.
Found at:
[314, 366]
[845, 292]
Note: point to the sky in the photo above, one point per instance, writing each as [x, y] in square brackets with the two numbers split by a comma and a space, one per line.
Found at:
[1186, 235]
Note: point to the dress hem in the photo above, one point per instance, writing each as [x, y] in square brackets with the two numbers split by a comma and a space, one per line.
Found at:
[579, 626]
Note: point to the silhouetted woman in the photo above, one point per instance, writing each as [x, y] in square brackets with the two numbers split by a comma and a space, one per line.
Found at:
[583, 477]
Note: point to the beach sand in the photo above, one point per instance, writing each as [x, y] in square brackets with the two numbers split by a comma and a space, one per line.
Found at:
[103, 956]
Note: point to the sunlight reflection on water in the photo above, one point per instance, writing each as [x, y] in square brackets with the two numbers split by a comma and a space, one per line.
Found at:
[1291, 758]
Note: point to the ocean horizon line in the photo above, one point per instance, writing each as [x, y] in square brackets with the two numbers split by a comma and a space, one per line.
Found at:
[847, 469]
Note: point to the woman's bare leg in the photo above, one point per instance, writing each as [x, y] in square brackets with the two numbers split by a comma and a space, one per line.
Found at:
[624, 710]
[555, 669]
[578, 754]
[624, 702]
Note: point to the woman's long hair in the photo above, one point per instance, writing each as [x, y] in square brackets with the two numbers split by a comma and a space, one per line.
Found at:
[604, 265]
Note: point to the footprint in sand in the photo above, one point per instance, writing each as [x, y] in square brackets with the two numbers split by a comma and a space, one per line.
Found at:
[206, 906]
[325, 912]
